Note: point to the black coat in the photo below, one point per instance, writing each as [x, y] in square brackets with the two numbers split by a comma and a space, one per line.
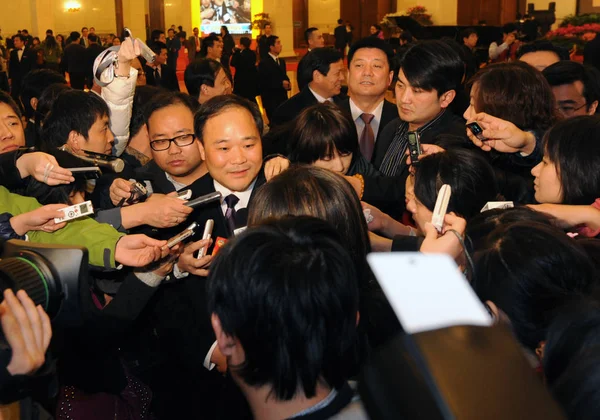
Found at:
[74, 59]
[91, 53]
[18, 69]
[341, 37]
[246, 74]
[271, 77]
[288, 110]
[168, 78]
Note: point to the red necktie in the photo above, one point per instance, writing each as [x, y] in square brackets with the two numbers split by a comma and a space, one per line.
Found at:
[367, 138]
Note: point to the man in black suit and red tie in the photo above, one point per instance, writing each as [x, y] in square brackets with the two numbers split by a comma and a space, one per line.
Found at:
[21, 62]
[159, 73]
[274, 83]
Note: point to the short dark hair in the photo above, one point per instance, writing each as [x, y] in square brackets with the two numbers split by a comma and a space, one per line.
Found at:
[157, 47]
[543, 45]
[266, 24]
[319, 131]
[74, 35]
[144, 95]
[84, 28]
[573, 145]
[567, 72]
[271, 41]
[47, 98]
[24, 30]
[432, 65]
[217, 105]
[5, 98]
[375, 43]
[168, 98]
[469, 174]
[73, 110]
[530, 270]
[283, 264]
[467, 32]
[201, 72]
[93, 38]
[22, 37]
[171, 30]
[508, 28]
[49, 32]
[34, 84]
[245, 41]
[207, 42]
[340, 21]
[406, 36]
[308, 33]
[319, 59]
[156, 33]
[515, 92]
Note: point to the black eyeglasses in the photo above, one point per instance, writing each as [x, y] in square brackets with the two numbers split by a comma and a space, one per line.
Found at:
[180, 141]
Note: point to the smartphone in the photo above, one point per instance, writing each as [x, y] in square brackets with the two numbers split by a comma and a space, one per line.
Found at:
[427, 291]
[414, 147]
[208, 228]
[476, 130]
[189, 231]
[441, 206]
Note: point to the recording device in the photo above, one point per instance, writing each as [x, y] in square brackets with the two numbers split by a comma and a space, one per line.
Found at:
[204, 199]
[75, 212]
[208, 228]
[147, 53]
[414, 147]
[189, 231]
[185, 195]
[108, 162]
[476, 130]
[441, 206]
[86, 172]
[138, 192]
[219, 243]
[50, 274]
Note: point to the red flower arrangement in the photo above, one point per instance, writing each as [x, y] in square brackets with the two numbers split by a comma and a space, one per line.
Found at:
[574, 31]
[419, 13]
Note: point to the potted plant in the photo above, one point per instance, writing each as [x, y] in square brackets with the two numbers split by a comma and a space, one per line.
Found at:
[260, 20]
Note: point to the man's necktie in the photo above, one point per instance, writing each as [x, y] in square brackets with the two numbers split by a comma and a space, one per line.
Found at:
[231, 200]
[157, 76]
[277, 61]
[367, 138]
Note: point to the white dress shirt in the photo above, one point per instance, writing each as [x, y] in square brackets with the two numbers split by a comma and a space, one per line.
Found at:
[360, 124]
[20, 53]
[319, 97]
[244, 197]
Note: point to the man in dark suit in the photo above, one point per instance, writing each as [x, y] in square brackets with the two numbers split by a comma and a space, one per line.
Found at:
[194, 44]
[158, 73]
[324, 68]
[341, 36]
[74, 62]
[173, 47]
[22, 60]
[369, 76]
[92, 52]
[274, 83]
[263, 47]
[84, 40]
[246, 74]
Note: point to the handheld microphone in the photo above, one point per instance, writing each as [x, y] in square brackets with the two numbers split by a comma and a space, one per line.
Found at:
[204, 199]
[98, 159]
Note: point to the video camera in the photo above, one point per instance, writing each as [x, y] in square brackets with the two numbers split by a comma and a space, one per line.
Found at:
[54, 276]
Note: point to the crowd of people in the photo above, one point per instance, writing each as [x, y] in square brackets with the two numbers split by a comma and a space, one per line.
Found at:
[280, 322]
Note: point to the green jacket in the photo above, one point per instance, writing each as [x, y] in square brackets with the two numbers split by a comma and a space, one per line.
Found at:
[100, 239]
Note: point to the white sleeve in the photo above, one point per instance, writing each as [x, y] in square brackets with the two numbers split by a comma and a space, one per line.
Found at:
[118, 95]
[207, 364]
[496, 50]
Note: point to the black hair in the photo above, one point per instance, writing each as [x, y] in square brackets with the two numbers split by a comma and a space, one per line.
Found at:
[155, 35]
[319, 59]
[47, 98]
[164, 99]
[225, 28]
[49, 32]
[432, 65]
[543, 45]
[171, 29]
[319, 131]
[508, 28]
[200, 72]
[467, 32]
[23, 38]
[144, 95]
[217, 105]
[287, 290]
[34, 84]
[266, 24]
[406, 36]
[573, 145]
[5, 98]
[157, 47]
[469, 175]
[50, 42]
[529, 270]
[271, 41]
[567, 72]
[245, 41]
[207, 42]
[340, 21]
[82, 29]
[93, 38]
[73, 110]
[481, 225]
[75, 36]
[376, 43]
[35, 38]
[308, 33]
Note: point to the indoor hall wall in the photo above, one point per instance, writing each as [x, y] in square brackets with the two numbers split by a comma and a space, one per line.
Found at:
[443, 12]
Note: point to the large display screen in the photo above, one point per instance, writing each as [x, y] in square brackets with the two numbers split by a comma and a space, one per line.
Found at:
[235, 14]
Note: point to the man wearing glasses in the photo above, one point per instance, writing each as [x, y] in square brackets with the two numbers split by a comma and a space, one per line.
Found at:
[576, 87]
